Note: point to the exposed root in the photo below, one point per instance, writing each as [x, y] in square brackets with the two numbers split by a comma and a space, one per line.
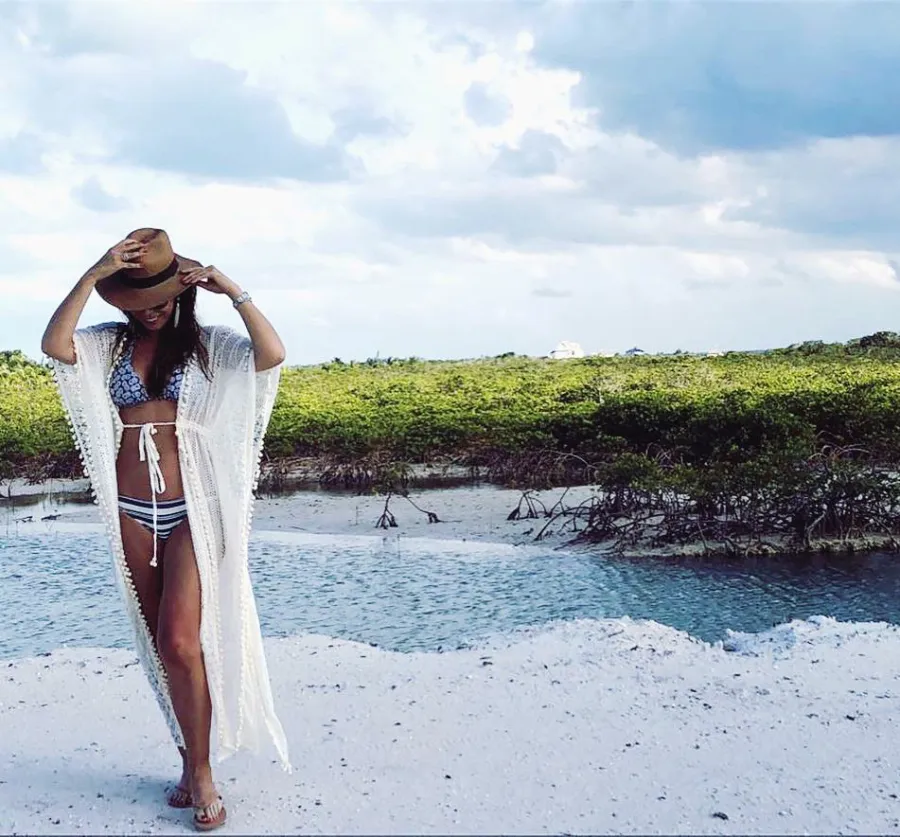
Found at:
[531, 503]
[836, 496]
[432, 517]
[387, 519]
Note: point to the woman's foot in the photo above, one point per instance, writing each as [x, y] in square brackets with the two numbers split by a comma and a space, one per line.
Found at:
[208, 817]
[209, 811]
[180, 795]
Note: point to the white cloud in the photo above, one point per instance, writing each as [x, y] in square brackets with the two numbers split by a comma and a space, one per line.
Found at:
[338, 164]
[849, 267]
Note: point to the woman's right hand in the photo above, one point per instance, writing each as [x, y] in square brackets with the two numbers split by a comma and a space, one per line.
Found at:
[57, 341]
[127, 253]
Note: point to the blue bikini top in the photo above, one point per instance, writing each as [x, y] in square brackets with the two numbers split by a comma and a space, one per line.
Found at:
[127, 390]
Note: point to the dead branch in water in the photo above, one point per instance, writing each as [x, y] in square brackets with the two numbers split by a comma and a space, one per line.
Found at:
[387, 519]
[432, 517]
[531, 504]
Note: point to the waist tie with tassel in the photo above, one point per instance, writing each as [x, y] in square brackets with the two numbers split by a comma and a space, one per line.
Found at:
[149, 453]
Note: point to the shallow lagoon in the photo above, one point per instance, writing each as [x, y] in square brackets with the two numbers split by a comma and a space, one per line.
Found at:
[57, 589]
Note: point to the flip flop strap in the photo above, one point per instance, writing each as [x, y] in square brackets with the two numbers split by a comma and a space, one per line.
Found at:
[208, 813]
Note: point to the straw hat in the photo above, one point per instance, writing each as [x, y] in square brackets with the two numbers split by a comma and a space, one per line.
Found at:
[152, 284]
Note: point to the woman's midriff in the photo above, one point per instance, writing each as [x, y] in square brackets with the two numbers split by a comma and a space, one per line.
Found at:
[133, 475]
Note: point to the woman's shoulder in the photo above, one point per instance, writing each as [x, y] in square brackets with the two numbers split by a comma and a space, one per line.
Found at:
[221, 335]
[226, 348]
[217, 330]
[103, 335]
[103, 328]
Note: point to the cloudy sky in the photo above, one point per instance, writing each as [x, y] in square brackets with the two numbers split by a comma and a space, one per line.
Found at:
[457, 179]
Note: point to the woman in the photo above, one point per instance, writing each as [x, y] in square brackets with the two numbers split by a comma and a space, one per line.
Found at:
[169, 418]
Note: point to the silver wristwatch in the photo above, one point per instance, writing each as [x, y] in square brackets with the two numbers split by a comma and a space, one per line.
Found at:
[241, 299]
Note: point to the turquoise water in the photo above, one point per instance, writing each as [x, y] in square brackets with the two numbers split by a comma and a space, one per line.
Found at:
[57, 589]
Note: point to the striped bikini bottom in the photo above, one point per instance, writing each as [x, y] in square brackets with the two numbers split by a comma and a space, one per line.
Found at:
[169, 513]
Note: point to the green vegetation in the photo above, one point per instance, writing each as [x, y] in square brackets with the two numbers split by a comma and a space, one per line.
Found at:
[721, 436]
[34, 435]
[699, 409]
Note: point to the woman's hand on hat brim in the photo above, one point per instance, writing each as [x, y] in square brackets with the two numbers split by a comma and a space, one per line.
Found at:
[210, 278]
[128, 253]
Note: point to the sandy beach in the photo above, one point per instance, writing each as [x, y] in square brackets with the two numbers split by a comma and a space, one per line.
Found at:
[474, 512]
[590, 727]
[469, 513]
[598, 726]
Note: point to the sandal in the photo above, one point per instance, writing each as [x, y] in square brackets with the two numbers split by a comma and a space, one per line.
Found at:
[209, 817]
[178, 797]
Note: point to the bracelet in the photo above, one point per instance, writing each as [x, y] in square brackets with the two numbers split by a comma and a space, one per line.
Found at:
[240, 300]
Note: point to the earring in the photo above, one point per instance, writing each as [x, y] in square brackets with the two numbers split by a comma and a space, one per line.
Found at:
[177, 313]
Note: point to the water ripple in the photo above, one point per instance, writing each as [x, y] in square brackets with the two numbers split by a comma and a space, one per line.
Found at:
[417, 595]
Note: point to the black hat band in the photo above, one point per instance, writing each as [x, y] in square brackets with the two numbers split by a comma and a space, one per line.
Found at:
[140, 284]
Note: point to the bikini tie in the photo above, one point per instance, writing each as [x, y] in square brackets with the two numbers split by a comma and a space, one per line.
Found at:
[149, 453]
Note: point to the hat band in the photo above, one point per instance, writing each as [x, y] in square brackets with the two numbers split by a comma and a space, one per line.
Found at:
[141, 284]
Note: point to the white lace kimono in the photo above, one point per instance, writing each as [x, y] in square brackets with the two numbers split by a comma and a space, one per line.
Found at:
[220, 426]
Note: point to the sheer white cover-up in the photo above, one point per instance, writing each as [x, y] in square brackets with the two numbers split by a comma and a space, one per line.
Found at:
[220, 425]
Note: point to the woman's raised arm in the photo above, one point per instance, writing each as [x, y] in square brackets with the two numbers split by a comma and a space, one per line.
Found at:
[268, 350]
[57, 341]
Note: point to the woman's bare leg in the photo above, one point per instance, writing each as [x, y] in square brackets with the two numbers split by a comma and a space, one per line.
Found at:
[148, 582]
[179, 647]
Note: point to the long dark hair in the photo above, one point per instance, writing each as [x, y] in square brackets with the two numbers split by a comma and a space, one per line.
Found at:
[177, 343]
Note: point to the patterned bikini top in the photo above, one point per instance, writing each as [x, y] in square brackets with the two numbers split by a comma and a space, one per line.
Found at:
[127, 390]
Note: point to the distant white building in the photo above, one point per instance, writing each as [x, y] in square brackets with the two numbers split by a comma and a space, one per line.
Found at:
[566, 349]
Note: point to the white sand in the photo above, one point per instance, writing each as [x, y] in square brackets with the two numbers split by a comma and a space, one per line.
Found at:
[469, 513]
[476, 513]
[472, 513]
[588, 727]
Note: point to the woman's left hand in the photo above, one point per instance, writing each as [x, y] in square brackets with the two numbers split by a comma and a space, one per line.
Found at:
[210, 278]
[268, 350]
